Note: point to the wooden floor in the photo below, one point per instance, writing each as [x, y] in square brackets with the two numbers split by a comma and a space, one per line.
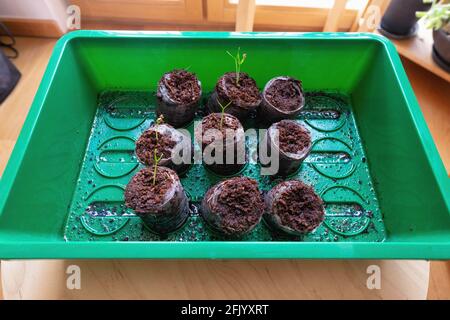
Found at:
[274, 279]
[433, 95]
[32, 61]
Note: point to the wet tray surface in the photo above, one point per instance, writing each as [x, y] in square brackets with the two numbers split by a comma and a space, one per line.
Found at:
[336, 167]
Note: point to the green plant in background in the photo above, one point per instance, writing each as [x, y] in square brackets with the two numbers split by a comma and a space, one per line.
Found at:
[156, 160]
[238, 61]
[438, 16]
[222, 114]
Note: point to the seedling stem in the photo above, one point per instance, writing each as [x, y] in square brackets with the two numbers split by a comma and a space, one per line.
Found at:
[156, 160]
[158, 122]
[222, 114]
[238, 61]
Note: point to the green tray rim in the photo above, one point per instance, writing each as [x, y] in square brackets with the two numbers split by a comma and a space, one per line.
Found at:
[224, 249]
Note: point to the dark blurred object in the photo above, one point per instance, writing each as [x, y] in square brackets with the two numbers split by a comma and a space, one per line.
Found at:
[9, 75]
[441, 48]
[400, 20]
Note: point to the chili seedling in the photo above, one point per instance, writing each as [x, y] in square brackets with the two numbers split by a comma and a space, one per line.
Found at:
[238, 61]
[156, 160]
[222, 114]
[158, 122]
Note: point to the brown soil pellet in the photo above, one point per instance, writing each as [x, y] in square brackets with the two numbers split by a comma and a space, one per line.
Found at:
[212, 121]
[246, 94]
[142, 195]
[148, 142]
[182, 86]
[299, 207]
[284, 94]
[239, 204]
[292, 137]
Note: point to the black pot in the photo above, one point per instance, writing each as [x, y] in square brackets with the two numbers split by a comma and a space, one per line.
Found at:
[441, 49]
[182, 144]
[399, 20]
[310, 219]
[271, 113]
[236, 146]
[161, 218]
[219, 216]
[289, 163]
[237, 108]
[175, 113]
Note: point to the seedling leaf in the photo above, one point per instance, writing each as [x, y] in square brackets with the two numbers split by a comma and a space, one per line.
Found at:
[238, 61]
[222, 114]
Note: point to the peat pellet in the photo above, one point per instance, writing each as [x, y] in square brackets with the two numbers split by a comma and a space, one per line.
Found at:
[233, 207]
[282, 98]
[222, 133]
[178, 96]
[244, 98]
[293, 207]
[161, 204]
[168, 142]
[288, 142]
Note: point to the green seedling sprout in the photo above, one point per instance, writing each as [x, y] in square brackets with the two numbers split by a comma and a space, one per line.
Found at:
[222, 114]
[238, 61]
[158, 122]
[156, 160]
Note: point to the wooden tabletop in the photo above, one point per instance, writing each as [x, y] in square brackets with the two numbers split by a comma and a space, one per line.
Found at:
[419, 48]
[219, 279]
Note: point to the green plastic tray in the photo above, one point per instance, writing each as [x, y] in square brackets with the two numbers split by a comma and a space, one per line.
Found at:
[374, 163]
